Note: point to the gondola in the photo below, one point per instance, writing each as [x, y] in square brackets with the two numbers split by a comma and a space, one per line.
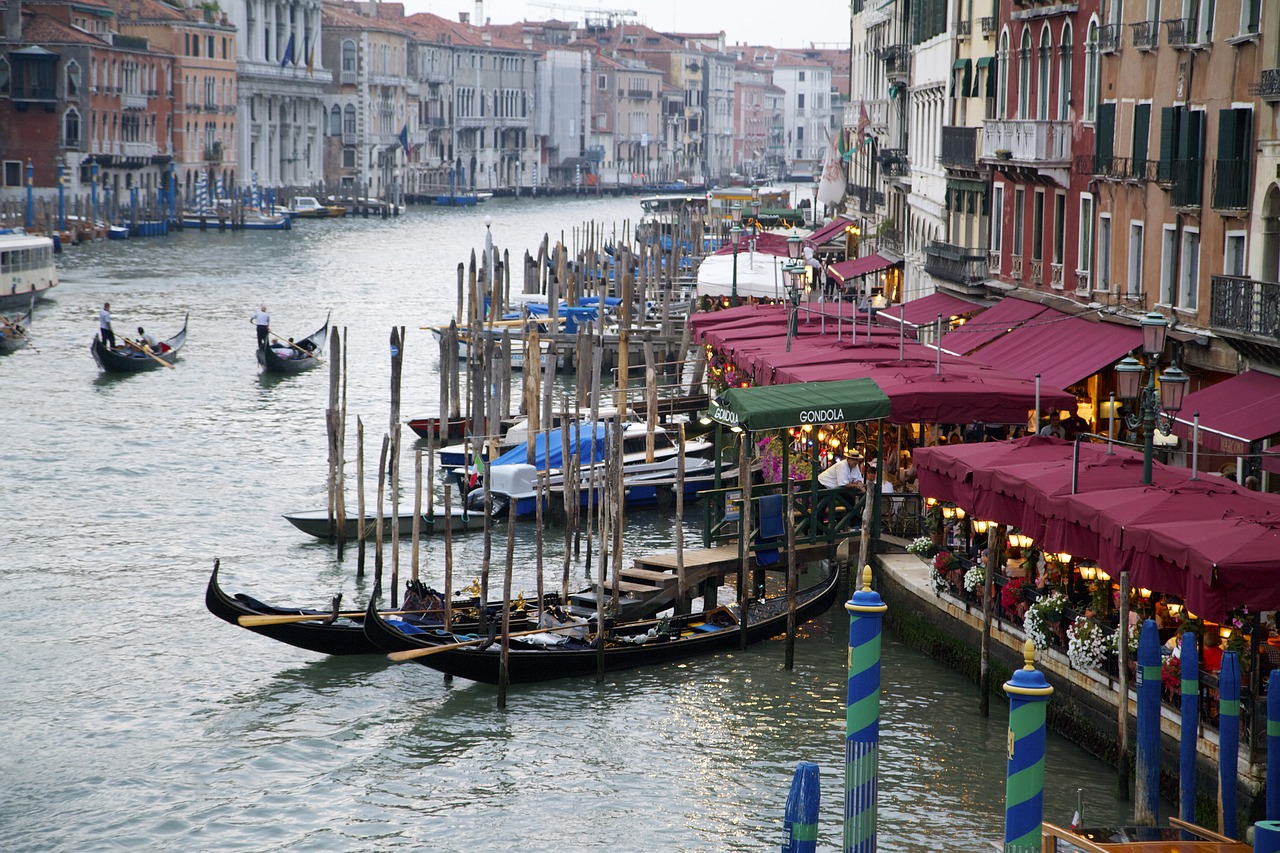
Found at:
[282, 357]
[630, 644]
[315, 522]
[13, 331]
[344, 635]
[128, 360]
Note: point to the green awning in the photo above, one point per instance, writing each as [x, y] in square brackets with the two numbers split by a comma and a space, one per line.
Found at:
[965, 65]
[989, 63]
[782, 406]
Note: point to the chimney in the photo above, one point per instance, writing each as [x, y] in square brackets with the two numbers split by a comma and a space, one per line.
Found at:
[464, 18]
[13, 20]
[479, 16]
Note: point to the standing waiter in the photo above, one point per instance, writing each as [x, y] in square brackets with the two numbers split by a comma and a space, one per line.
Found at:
[263, 321]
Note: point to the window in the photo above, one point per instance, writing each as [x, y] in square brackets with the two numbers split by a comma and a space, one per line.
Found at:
[1232, 184]
[12, 173]
[800, 101]
[1084, 262]
[1250, 15]
[1037, 226]
[1168, 264]
[73, 80]
[1024, 75]
[1134, 285]
[1233, 259]
[335, 121]
[1189, 275]
[1141, 136]
[208, 47]
[997, 218]
[1103, 273]
[1019, 212]
[71, 128]
[1064, 73]
[1092, 81]
[348, 57]
[1059, 225]
[1003, 70]
[348, 158]
[800, 77]
[349, 119]
[1042, 75]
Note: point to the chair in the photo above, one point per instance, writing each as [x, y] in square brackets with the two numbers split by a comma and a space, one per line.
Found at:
[907, 516]
[770, 529]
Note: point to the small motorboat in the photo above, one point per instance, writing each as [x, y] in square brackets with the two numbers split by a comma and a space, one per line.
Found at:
[316, 523]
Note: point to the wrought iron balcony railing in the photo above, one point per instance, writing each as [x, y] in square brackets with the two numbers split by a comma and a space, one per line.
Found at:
[960, 147]
[1245, 306]
[1182, 32]
[1268, 85]
[1232, 185]
[960, 264]
[988, 25]
[1146, 34]
[897, 60]
[1109, 38]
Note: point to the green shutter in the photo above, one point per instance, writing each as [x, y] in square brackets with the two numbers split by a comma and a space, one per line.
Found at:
[1104, 138]
[1227, 134]
[1168, 142]
[1141, 138]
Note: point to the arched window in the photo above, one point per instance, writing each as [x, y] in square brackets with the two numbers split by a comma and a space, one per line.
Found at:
[1042, 75]
[71, 128]
[1091, 73]
[1024, 75]
[349, 57]
[73, 80]
[1065, 48]
[335, 121]
[1003, 70]
[349, 119]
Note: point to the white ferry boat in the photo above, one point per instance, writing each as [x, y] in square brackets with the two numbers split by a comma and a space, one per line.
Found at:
[26, 268]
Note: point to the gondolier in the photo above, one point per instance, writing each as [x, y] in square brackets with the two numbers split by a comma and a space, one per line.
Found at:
[263, 321]
[104, 326]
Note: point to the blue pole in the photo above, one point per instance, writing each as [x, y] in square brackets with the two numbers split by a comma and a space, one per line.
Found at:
[862, 718]
[1273, 745]
[30, 191]
[173, 191]
[1029, 694]
[62, 198]
[1266, 836]
[1190, 726]
[1228, 741]
[800, 820]
[1146, 806]
[93, 190]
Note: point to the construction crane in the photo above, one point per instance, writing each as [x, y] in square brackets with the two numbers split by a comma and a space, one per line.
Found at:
[592, 16]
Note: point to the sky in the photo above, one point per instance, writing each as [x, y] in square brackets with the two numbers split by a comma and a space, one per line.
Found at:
[798, 23]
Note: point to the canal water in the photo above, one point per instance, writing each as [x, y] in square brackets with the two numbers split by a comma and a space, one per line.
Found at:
[135, 720]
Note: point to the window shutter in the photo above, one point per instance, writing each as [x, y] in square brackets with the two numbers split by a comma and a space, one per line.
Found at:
[1168, 142]
[1104, 130]
[1226, 134]
[1141, 137]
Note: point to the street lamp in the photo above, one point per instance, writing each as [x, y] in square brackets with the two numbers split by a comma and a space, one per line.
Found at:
[735, 237]
[795, 283]
[1154, 411]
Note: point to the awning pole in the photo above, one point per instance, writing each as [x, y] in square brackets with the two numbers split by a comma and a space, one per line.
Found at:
[937, 342]
[1035, 428]
[902, 338]
[1195, 446]
[1111, 424]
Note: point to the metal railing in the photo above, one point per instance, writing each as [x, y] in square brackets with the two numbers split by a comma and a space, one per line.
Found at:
[959, 264]
[960, 146]
[1182, 32]
[821, 515]
[964, 28]
[1109, 40]
[1240, 304]
[1034, 141]
[1187, 179]
[1232, 185]
[897, 60]
[988, 25]
[1268, 86]
[1146, 34]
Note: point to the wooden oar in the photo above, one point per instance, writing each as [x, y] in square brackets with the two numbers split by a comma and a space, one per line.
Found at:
[254, 621]
[146, 349]
[17, 330]
[292, 344]
[412, 654]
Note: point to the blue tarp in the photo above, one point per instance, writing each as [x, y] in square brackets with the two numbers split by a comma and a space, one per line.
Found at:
[554, 458]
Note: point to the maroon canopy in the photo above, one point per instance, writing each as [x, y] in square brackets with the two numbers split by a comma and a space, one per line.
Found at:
[1233, 413]
[925, 310]
[1063, 351]
[1005, 315]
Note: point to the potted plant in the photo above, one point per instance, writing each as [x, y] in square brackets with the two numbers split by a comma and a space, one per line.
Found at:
[1086, 643]
[1044, 617]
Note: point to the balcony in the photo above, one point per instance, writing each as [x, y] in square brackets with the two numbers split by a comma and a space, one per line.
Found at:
[133, 101]
[1232, 185]
[868, 199]
[894, 163]
[959, 264]
[1185, 178]
[1109, 38]
[988, 26]
[1146, 34]
[1182, 32]
[964, 29]
[897, 61]
[960, 147]
[1117, 168]
[1037, 272]
[347, 78]
[1268, 87]
[1245, 306]
[639, 94]
[1039, 144]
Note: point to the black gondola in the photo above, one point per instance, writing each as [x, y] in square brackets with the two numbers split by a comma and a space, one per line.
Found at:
[630, 644]
[13, 332]
[129, 360]
[283, 357]
[324, 634]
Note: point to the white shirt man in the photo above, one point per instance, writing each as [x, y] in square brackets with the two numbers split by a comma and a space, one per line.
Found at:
[844, 472]
[263, 321]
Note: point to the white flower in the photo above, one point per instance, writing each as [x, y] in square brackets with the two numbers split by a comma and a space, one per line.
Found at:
[1035, 621]
[975, 577]
[1086, 643]
[937, 582]
[920, 546]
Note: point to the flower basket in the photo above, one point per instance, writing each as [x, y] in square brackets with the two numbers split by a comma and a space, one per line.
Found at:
[1043, 618]
[1086, 644]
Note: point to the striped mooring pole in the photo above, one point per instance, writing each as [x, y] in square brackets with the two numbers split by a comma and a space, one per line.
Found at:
[1190, 726]
[1146, 801]
[800, 820]
[1228, 741]
[862, 718]
[1273, 746]
[1029, 694]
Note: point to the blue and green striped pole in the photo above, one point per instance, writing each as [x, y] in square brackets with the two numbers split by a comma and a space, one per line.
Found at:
[862, 719]
[1273, 746]
[1146, 805]
[1029, 694]
[1228, 741]
[1190, 726]
[800, 820]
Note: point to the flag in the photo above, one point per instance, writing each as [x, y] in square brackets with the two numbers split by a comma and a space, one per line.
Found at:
[864, 122]
[831, 185]
[311, 60]
[841, 149]
[1075, 821]
[404, 141]
[288, 53]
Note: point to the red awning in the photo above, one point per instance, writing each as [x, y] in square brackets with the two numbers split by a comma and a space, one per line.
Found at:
[1005, 316]
[864, 265]
[1233, 413]
[1271, 461]
[1062, 349]
[923, 311]
[828, 232]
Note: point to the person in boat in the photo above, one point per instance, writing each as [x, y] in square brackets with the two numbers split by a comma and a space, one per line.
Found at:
[104, 326]
[262, 320]
[147, 341]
